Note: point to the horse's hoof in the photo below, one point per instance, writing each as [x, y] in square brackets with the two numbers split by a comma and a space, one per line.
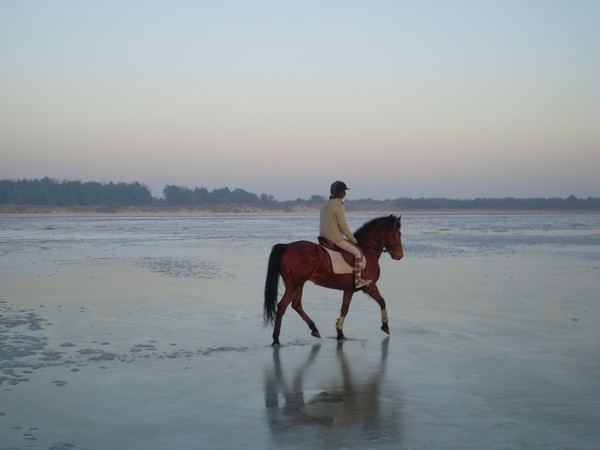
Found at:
[385, 328]
[275, 343]
[340, 336]
[316, 334]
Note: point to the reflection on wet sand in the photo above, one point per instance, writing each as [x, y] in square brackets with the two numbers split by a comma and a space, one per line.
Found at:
[331, 400]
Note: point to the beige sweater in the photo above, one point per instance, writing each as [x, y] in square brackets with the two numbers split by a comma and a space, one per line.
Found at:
[333, 224]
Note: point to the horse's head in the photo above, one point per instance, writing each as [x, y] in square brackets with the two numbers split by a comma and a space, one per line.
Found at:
[382, 233]
[393, 242]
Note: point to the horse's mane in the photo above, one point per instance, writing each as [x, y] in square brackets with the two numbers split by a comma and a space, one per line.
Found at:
[370, 225]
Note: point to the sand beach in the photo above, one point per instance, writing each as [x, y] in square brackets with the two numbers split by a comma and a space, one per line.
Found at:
[145, 333]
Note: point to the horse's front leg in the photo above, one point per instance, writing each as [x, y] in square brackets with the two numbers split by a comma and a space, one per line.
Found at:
[339, 325]
[373, 292]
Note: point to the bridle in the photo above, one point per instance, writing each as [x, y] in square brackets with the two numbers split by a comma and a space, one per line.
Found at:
[395, 238]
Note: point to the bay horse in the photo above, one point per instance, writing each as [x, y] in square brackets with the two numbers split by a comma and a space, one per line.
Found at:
[302, 261]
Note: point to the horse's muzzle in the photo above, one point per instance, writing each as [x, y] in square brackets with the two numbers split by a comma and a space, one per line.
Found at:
[397, 254]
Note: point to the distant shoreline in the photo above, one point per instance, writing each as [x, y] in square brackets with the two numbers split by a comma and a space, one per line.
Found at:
[29, 210]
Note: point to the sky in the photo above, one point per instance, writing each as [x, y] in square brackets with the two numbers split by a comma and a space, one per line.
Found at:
[455, 99]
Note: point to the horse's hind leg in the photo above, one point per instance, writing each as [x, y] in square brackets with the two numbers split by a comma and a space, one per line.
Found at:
[281, 307]
[297, 305]
[293, 296]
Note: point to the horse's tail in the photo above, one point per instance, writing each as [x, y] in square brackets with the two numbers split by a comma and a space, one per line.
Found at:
[272, 284]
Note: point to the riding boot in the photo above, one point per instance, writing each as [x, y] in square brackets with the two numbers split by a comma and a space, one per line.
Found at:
[359, 282]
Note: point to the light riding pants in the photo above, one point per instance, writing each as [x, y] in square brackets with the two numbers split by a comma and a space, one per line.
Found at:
[350, 247]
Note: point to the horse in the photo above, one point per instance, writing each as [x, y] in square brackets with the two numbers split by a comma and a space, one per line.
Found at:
[302, 261]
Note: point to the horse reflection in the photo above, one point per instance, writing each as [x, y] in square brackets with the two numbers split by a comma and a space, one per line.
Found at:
[357, 406]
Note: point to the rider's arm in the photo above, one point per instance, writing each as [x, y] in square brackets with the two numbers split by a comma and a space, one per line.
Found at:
[341, 220]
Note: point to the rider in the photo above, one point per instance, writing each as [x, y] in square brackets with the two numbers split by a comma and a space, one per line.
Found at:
[333, 227]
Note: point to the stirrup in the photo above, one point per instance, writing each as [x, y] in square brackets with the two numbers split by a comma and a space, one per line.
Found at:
[360, 283]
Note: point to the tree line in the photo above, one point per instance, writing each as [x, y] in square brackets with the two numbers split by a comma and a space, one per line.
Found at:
[50, 192]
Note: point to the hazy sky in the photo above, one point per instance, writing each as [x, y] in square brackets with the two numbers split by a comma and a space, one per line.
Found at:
[456, 99]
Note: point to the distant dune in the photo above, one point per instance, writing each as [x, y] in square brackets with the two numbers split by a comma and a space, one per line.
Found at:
[252, 209]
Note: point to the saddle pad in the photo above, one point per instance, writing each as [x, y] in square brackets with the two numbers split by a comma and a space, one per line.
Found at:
[339, 264]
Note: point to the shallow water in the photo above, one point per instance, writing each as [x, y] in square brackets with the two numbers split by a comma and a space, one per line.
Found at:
[145, 332]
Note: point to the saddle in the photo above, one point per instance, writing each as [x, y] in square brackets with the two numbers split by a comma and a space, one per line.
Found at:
[348, 257]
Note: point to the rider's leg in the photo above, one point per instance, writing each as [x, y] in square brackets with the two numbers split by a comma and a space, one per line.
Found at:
[357, 268]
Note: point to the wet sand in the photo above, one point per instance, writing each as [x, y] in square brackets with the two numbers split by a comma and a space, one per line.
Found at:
[485, 352]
